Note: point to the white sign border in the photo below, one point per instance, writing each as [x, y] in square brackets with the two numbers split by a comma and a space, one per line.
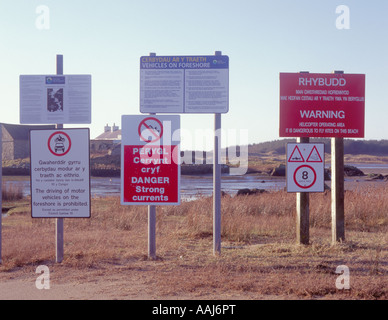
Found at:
[319, 167]
[184, 109]
[87, 130]
[128, 140]
[64, 118]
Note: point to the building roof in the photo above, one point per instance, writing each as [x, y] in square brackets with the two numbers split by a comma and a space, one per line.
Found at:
[110, 135]
[22, 132]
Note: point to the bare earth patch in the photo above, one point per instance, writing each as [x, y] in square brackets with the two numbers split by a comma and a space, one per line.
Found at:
[106, 255]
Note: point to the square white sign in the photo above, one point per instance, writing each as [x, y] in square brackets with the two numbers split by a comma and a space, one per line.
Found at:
[60, 174]
[305, 167]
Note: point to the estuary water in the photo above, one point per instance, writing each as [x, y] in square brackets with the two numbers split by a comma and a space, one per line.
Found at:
[192, 186]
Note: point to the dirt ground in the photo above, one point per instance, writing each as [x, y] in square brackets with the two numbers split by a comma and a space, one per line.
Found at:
[139, 277]
[117, 284]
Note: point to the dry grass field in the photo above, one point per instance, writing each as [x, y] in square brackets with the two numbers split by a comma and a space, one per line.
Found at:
[106, 255]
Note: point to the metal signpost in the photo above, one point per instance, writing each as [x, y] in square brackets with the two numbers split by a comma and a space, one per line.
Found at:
[150, 172]
[58, 99]
[305, 173]
[1, 185]
[189, 84]
[338, 183]
[217, 185]
[323, 105]
[150, 165]
[59, 222]
[305, 167]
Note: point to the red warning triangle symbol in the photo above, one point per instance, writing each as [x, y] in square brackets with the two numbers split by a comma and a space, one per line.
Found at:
[314, 156]
[296, 155]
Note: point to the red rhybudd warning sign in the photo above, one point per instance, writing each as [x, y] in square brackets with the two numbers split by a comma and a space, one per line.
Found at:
[322, 105]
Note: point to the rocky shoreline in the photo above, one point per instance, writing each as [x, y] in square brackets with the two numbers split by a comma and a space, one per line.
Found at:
[200, 169]
[22, 168]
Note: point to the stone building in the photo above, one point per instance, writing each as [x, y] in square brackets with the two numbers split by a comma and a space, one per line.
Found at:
[15, 139]
[108, 141]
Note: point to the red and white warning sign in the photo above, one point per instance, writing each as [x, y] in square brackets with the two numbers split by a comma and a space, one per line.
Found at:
[150, 162]
[60, 174]
[59, 143]
[305, 167]
[322, 105]
[150, 129]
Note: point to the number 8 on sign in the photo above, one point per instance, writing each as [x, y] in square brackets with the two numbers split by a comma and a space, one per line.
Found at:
[305, 176]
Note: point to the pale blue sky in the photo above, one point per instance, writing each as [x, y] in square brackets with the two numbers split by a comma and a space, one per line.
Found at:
[262, 38]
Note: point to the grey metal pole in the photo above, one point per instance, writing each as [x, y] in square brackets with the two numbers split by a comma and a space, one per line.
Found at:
[217, 185]
[59, 221]
[1, 191]
[152, 220]
[302, 210]
[217, 181]
[337, 188]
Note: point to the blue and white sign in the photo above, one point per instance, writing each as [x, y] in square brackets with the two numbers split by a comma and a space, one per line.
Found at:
[184, 84]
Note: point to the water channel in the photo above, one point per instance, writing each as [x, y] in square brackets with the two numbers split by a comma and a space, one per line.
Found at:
[192, 186]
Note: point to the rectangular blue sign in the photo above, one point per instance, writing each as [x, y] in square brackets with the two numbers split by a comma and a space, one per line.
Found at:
[184, 62]
[184, 84]
[55, 80]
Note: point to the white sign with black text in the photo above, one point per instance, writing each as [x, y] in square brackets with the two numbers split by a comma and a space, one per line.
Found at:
[55, 99]
[60, 174]
[184, 84]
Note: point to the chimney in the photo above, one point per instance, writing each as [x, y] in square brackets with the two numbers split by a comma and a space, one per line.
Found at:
[115, 128]
[107, 128]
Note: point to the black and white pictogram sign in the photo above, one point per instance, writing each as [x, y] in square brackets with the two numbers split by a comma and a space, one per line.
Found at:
[305, 167]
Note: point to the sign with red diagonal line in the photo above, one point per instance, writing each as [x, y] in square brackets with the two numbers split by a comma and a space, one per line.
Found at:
[150, 129]
[150, 160]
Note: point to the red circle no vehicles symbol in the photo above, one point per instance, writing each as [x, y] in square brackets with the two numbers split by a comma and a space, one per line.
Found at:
[150, 129]
[305, 176]
[59, 143]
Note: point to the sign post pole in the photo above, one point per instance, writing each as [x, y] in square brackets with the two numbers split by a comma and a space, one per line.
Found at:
[1, 183]
[302, 210]
[337, 188]
[181, 85]
[217, 185]
[152, 218]
[217, 181]
[59, 221]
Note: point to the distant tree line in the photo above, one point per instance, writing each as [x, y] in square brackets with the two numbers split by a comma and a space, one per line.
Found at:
[351, 146]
